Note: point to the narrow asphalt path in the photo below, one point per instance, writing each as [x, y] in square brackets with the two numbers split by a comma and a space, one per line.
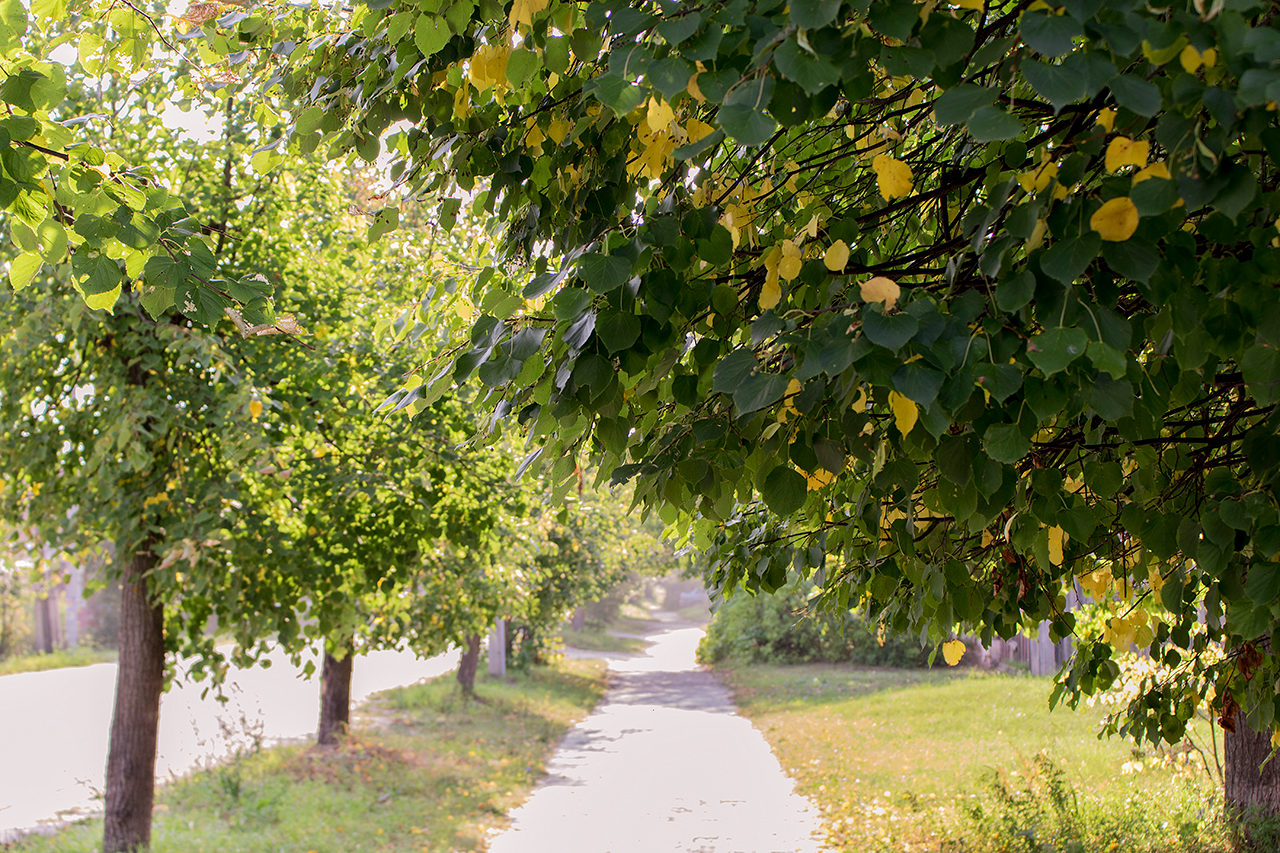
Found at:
[54, 726]
[663, 764]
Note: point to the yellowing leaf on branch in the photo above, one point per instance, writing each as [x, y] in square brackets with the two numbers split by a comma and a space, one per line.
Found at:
[1191, 59]
[659, 114]
[892, 176]
[255, 409]
[1057, 536]
[522, 11]
[882, 290]
[489, 67]
[1157, 169]
[558, 130]
[953, 651]
[819, 478]
[1106, 119]
[771, 292]
[837, 256]
[905, 412]
[1123, 151]
[1116, 220]
[1035, 180]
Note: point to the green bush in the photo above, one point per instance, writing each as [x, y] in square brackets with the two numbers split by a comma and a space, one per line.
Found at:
[779, 628]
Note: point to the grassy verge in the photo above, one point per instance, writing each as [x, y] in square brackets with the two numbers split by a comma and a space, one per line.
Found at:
[437, 774]
[907, 760]
[82, 656]
[600, 640]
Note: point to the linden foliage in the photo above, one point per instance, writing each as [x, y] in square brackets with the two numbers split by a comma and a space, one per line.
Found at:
[944, 304]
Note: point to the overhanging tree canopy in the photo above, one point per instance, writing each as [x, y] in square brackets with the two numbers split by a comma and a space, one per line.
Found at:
[950, 304]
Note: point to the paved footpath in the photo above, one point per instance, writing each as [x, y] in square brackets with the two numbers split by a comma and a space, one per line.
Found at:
[664, 764]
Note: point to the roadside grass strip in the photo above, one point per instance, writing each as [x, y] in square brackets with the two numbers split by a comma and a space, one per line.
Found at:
[425, 771]
[919, 760]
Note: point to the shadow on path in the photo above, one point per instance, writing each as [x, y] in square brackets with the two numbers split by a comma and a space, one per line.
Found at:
[664, 763]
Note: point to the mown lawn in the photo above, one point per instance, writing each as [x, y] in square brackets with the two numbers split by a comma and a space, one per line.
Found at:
[959, 760]
[435, 774]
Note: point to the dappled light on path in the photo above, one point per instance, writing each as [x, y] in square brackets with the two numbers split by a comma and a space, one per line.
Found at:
[663, 764]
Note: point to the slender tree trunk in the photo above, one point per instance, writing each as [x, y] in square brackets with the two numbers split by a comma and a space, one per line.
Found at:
[467, 665]
[135, 723]
[1247, 788]
[335, 696]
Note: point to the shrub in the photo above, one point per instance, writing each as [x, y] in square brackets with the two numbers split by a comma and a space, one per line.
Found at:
[779, 628]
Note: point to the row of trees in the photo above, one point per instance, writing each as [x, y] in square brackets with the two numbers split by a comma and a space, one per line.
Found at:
[942, 305]
[244, 472]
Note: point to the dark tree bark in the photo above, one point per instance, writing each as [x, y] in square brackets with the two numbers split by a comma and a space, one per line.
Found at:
[135, 723]
[1247, 788]
[335, 697]
[467, 665]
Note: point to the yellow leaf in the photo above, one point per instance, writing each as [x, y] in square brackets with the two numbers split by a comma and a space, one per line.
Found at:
[789, 267]
[1037, 235]
[1106, 119]
[1209, 58]
[953, 651]
[1191, 59]
[558, 130]
[893, 176]
[771, 293]
[1057, 536]
[860, 402]
[163, 497]
[1116, 220]
[1123, 151]
[692, 89]
[1155, 170]
[882, 290]
[522, 11]
[659, 114]
[905, 412]
[977, 5]
[836, 256]
[255, 409]
[1038, 178]
[534, 138]
[819, 478]
[697, 129]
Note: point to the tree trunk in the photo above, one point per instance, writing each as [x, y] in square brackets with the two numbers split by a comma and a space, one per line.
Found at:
[335, 696]
[135, 723]
[1247, 788]
[467, 665]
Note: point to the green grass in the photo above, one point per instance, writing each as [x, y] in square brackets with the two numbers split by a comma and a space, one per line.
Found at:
[437, 774]
[915, 760]
[82, 656]
[600, 640]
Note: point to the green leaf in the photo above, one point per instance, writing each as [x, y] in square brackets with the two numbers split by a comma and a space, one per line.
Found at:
[919, 382]
[669, 76]
[675, 29]
[1067, 260]
[521, 66]
[617, 330]
[784, 490]
[1108, 359]
[617, 93]
[957, 105]
[733, 370]
[1005, 443]
[1049, 34]
[890, 331]
[104, 301]
[1053, 350]
[23, 268]
[999, 380]
[603, 273]
[1136, 94]
[813, 14]
[748, 125]
[809, 72]
[1015, 292]
[13, 24]
[430, 34]
[758, 391]
[1058, 84]
[569, 303]
[992, 124]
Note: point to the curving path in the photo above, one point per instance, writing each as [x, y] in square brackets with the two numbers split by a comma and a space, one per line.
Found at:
[664, 763]
[54, 725]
